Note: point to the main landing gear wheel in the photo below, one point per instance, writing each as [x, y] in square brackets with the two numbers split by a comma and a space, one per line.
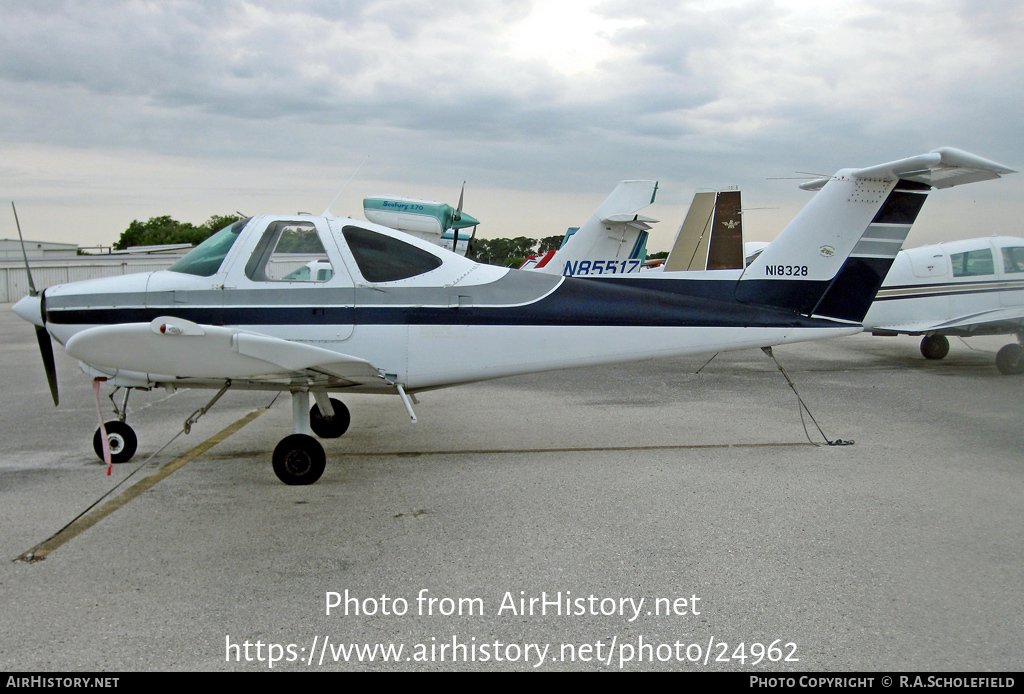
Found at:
[934, 346]
[120, 437]
[1010, 360]
[333, 427]
[299, 459]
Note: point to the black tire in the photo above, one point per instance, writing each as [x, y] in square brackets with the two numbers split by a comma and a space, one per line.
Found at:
[934, 346]
[1010, 360]
[330, 428]
[121, 438]
[299, 459]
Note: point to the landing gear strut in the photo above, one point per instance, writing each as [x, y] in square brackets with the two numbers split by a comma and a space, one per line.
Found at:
[934, 346]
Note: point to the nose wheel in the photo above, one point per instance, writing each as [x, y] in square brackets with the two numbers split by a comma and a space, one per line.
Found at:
[120, 437]
[934, 346]
[1010, 360]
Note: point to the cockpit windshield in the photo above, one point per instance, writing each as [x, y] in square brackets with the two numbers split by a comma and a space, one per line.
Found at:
[205, 259]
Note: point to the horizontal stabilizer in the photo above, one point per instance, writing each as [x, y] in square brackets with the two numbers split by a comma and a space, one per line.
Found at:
[944, 167]
[627, 218]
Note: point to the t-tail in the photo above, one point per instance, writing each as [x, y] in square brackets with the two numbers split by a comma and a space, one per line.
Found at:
[831, 259]
[613, 241]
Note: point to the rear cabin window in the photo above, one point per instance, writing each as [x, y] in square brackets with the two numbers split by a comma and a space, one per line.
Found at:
[972, 263]
[382, 258]
[1013, 259]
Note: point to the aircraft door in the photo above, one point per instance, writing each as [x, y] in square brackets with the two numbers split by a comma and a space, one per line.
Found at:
[975, 265]
[1011, 257]
[293, 284]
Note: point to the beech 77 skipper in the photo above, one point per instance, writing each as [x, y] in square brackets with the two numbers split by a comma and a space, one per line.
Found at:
[400, 315]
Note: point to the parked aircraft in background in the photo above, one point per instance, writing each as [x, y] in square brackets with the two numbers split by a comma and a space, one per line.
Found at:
[400, 315]
[960, 288]
[612, 242]
[437, 222]
[711, 235]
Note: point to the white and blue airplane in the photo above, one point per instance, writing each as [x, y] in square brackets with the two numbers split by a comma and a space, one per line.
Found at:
[400, 315]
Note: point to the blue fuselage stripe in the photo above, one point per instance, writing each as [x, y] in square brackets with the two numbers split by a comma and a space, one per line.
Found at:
[574, 303]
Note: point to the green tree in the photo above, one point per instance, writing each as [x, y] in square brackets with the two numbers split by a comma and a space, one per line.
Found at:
[165, 230]
[504, 251]
[219, 221]
[550, 243]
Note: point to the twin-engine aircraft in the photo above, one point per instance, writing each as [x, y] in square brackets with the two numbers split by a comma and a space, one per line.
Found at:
[960, 288]
[400, 315]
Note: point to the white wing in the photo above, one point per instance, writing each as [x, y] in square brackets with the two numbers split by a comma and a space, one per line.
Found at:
[996, 320]
[174, 348]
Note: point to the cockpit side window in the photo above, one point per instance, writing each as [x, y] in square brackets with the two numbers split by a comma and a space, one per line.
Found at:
[205, 259]
[289, 252]
[971, 263]
[383, 258]
[1013, 259]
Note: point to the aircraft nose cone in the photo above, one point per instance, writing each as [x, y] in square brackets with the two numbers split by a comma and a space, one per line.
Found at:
[30, 309]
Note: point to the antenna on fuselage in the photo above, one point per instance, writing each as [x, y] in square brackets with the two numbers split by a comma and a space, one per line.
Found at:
[328, 210]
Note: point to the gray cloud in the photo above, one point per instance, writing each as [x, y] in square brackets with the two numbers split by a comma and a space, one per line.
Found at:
[693, 93]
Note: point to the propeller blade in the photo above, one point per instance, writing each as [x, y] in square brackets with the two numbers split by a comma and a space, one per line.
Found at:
[458, 211]
[46, 350]
[31, 285]
[42, 336]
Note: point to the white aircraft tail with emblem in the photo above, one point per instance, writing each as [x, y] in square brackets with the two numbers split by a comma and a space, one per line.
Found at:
[832, 258]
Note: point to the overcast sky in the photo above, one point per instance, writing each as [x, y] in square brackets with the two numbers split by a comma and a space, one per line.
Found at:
[112, 111]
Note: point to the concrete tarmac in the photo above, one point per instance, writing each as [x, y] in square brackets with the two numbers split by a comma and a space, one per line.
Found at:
[519, 524]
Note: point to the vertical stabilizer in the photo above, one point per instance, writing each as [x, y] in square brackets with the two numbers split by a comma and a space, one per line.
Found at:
[726, 248]
[614, 240]
[711, 235]
[690, 250]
